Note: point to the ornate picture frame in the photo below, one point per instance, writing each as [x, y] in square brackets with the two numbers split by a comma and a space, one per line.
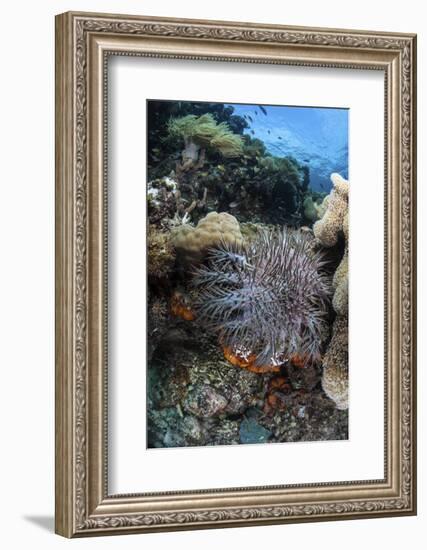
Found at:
[84, 42]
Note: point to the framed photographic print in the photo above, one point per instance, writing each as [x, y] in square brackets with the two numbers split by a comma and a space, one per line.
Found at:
[235, 274]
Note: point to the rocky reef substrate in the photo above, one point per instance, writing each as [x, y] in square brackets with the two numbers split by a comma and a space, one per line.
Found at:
[209, 187]
[196, 397]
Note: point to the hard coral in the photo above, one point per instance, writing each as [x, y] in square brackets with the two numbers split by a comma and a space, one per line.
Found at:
[327, 230]
[162, 196]
[329, 227]
[335, 364]
[340, 280]
[192, 243]
[315, 210]
[269, 298]
[160, 252]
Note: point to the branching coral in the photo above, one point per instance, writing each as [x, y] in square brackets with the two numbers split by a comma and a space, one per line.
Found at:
[267, 299]
[192, 243]
[204, 132]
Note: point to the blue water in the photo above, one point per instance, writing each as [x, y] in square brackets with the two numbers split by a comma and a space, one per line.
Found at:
[315, 136]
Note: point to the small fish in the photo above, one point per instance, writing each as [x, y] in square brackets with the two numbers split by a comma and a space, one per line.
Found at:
[252, 132]
[221, 168]
[269, 131]
[306, 160]
[279, 137]
[322, 186]
[250, 118]
[256, 112]
[263, 109]
[233, 204]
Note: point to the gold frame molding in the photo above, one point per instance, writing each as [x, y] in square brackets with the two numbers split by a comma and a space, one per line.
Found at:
[83, 43]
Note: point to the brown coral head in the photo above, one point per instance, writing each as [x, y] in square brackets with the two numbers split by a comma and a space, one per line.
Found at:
[247, 360]
[215, 229]
[180, 307]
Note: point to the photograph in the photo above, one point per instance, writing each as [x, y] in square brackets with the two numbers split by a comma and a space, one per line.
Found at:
[247, 273]
[235, 271]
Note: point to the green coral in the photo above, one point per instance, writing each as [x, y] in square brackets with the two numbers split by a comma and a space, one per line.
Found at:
[287, 165]
[315, 209]
[254, 147]
[203, 131]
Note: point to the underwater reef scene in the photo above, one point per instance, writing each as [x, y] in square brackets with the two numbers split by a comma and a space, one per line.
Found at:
[247, 267]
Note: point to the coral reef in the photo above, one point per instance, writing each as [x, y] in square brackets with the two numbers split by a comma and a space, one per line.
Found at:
[181, 306]
[162, 195]
[183, 412]
[329, 227]
[306, 416]
[160, 253]
[255, 186]
[192, 243]
[200, 133]
[340, 280]
[315, 209]
[252, 432]
[310, 210]
[327, 230]
[205, 401]
[247, 360]
[157, 321]
[335, 364]
[243, 299]
[269, 298]
[322, 206]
